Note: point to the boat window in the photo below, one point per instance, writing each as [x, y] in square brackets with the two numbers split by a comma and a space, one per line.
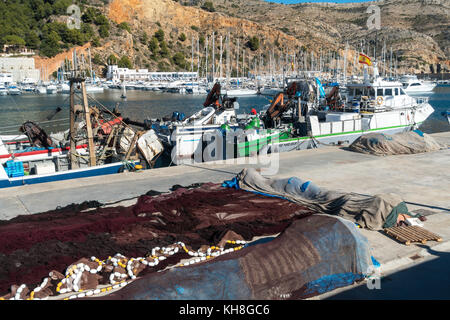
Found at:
[388, 92]
[402, 92]
[358, 92]
[371, 92]
[396, 91]
[379, 92]
[415, 84]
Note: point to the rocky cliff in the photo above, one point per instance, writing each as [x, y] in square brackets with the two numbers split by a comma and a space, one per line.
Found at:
[416, 30]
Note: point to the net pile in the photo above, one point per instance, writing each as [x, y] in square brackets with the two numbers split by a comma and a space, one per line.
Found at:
[401, 143]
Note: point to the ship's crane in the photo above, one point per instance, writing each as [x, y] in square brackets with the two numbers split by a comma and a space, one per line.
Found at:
[214, 97]
[282, 102]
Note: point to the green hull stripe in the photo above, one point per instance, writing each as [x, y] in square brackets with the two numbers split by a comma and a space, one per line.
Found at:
[252, 144]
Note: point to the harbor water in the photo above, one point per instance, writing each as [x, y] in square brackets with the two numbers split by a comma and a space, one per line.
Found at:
[140, 105]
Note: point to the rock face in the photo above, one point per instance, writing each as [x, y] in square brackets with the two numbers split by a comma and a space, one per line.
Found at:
[416, 30]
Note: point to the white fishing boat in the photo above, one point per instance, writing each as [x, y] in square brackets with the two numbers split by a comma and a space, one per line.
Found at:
[183, 137]
[334, 119]
[411, 84]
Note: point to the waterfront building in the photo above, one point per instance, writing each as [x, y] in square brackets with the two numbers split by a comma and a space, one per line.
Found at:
[117, 74]
[20, 68]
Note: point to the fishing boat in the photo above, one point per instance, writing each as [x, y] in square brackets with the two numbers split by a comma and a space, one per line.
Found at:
[182, 138]
[98, 142]
[307, 116]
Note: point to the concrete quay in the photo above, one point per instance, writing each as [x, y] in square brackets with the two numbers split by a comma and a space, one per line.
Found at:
[422, 180]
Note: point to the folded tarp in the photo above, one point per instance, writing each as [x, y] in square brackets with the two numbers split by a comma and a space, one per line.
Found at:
[401, 143]
[313, 255]
[371, 212]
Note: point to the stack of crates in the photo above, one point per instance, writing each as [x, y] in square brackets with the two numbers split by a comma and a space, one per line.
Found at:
[14, 169]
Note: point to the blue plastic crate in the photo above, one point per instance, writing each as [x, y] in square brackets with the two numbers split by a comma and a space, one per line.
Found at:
[14, 169]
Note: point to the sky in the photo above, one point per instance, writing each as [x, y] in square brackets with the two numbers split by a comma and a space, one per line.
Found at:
[300, 1]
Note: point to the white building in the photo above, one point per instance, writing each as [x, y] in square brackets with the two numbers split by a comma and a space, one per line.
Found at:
[20, 68]
[6, 79]
[117, 74]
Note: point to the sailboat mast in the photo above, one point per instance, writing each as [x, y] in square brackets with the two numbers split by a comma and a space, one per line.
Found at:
[221, 56]
[213, 57]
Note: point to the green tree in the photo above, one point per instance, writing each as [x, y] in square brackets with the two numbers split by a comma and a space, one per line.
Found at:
[14, 40]
[112, 59]
[90, 14]
[144, 38]
[164, 51]
[124, 26]
[154, 45]
[159, 35]
[182, 37]
[253, 43]
[103, 31]
[97, 59]
[101, 20]
[50, 44]
[125, 62]
[96, 42]
[32, 40]
[208, 6]
[179, 59]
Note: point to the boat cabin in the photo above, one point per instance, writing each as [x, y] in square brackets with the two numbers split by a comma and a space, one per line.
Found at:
[376, 97]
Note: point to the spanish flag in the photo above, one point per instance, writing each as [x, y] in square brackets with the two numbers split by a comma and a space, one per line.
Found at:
[364, 59]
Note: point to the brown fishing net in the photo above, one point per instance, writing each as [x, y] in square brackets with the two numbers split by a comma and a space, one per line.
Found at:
[32, 246]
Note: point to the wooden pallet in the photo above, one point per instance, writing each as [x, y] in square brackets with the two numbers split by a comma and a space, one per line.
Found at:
[412, 234]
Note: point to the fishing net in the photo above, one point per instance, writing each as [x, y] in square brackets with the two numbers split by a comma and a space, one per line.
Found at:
[33, 245]
[382, 144]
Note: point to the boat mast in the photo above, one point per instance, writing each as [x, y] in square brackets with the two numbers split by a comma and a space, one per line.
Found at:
[77, 77]
[220, 62]
[213, 57]
[228, 60]
[192, 55]
[206, 61]
[198, 59]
